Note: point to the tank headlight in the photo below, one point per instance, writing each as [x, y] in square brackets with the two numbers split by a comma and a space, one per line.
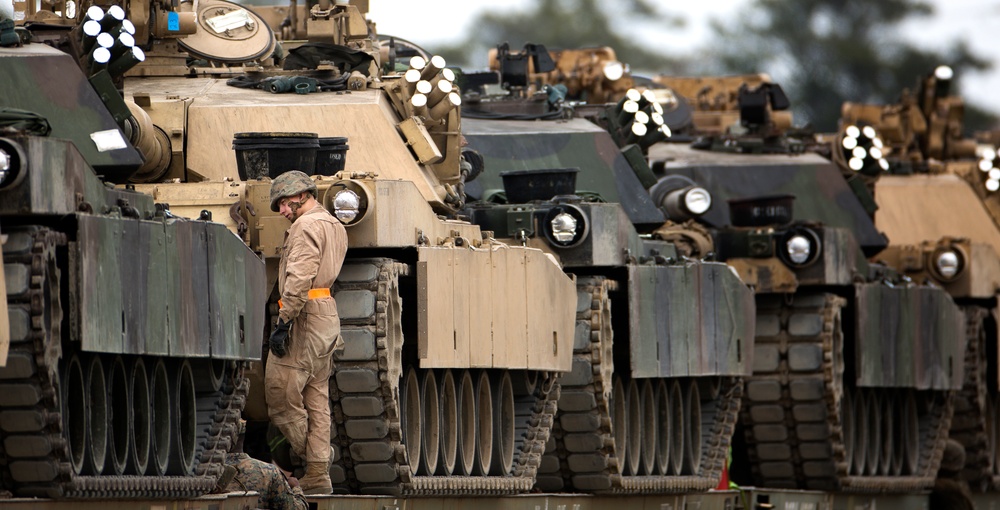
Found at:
[799, 247]
[12, 163]
[346, 205]
[4, 167]
[697, 201]
[948, 263]
[614, 70]
[563, 227]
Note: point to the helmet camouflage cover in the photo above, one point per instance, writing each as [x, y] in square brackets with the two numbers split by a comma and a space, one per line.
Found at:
[289, 184]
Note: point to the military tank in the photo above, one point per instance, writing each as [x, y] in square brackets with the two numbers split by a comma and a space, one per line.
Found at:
[446, 380]
[662, 340]
[936, 204]
[855, 364]
[127, 330]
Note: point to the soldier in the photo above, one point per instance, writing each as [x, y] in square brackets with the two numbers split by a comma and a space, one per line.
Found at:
[297, 376]
[275, 491]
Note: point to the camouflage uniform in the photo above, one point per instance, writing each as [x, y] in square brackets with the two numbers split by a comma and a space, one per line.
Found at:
[297, 384]
[274, 491]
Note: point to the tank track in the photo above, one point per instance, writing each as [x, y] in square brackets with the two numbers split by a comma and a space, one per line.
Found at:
[581, 455]
[792, 409]
[969, 425]
[365, 390]
[31, 417]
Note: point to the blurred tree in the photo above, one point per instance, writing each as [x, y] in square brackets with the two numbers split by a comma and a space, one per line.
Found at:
[826, 52]
[561, 24]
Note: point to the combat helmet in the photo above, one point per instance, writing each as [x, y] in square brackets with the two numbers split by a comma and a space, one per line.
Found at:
[289, 184]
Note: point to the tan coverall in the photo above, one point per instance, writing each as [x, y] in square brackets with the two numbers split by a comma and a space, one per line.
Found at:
[297, 386]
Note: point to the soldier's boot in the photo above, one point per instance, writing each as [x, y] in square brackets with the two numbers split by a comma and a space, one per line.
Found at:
[282, 451]
[317, 479]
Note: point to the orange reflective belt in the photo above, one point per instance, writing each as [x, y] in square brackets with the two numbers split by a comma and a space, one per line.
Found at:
[313, 294]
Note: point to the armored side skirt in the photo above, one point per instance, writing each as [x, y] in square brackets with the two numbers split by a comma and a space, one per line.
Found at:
[171, 287]
[909, 337]
[494, 307]
[695, 319]
[4, 320]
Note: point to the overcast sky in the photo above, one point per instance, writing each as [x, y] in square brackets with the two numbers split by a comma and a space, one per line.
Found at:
[978, 21]
[437, 21]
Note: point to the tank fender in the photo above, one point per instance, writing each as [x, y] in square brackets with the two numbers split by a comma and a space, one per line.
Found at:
[4, 320]
[908, 336]
[168, 287]
[497, 306]
[711, 334]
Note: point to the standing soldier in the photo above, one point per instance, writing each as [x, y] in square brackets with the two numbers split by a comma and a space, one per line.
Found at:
[297, 377]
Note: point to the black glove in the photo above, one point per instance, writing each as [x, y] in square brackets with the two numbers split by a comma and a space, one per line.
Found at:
[279, 339]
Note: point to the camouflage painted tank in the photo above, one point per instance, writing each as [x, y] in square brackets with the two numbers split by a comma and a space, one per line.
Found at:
[854, 364]
[129, 328]
[937, 204]
[453, 341]
[661, 340]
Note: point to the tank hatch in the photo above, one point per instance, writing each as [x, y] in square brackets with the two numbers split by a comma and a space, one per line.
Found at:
[229, 33]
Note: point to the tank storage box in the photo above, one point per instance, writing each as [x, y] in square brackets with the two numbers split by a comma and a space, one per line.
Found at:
[523, 186]
[272, 154]
[332, 155]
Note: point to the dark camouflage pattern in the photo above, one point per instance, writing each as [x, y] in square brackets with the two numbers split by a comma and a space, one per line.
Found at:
[112, 295]
[48, 82]
[685, 317]
[910, 337]
[209, 299]
[273, 490]
[290, 184]
[578, 143]
[821, 194]
[907, 335]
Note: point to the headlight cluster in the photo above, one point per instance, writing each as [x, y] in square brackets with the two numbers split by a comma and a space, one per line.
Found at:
[799, 247]
[348, 201]
[988, 167]
[863, 150]
[947, 263]
[565, 226]
[5, 166]
[11, 161]
[346, 205]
